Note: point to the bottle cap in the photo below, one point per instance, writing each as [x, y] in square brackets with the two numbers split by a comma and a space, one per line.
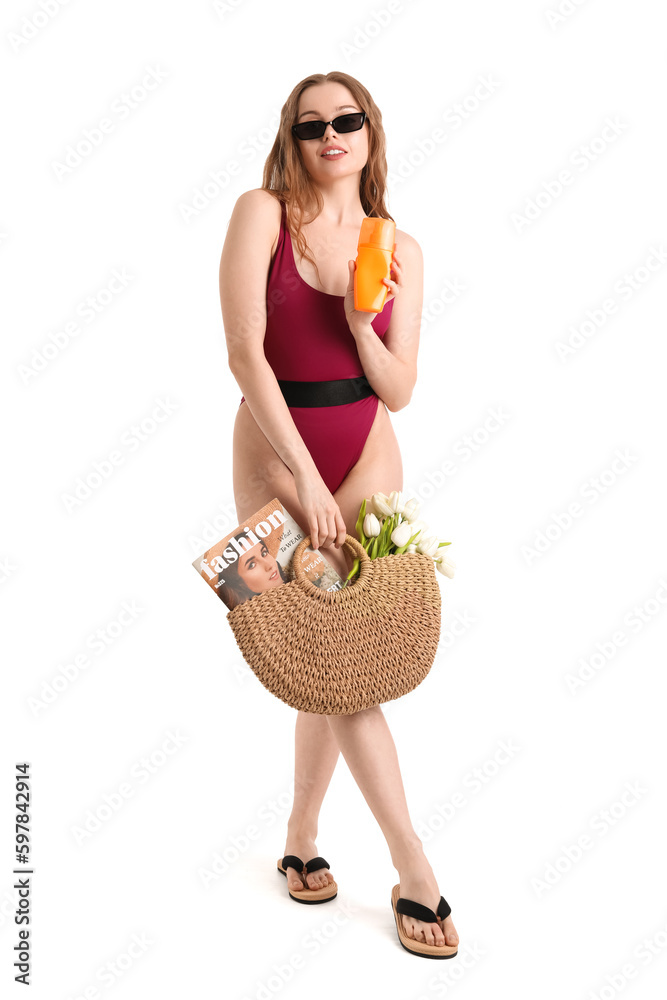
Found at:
[378, 233]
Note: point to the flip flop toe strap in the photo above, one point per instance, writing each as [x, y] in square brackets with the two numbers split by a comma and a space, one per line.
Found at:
[291, 861]
[315, 863]
[420, 912]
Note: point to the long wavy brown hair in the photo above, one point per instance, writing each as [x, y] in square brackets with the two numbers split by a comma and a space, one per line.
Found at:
[286, 177]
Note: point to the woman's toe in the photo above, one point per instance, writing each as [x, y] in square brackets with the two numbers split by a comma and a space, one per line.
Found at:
[433, 934]
[318, 879]
[426, 933]
[451, 937]
[414, 930]
[438, 936]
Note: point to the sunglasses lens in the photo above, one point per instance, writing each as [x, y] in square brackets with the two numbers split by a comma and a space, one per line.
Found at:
[350, 123]
[316, 129]
[310, 130]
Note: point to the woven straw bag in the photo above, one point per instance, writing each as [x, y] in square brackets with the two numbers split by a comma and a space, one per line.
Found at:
[338, 652]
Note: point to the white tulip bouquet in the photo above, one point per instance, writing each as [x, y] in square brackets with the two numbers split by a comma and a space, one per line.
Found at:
[388, 525]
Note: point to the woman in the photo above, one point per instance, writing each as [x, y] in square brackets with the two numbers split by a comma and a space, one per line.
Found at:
[318, 378]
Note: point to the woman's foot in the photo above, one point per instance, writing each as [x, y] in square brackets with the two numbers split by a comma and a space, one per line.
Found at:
[304, 848]
[418, 883]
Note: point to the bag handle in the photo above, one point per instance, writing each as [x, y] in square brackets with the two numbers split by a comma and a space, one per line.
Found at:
[352, 544]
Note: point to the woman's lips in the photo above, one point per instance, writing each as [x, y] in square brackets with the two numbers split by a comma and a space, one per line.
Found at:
[327, 154]
[274, 575]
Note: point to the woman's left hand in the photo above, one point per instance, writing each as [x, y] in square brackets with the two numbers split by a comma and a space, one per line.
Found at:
[357, 319]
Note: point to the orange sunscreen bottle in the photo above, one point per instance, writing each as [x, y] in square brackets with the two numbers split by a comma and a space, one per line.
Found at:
[376, 243]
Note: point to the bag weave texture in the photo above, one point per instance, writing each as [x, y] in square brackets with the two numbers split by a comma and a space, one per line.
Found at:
[338, 652]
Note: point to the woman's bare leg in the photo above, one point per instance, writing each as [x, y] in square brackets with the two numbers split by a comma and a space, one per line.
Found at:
[363, 738]
[370, 753]
[315, 756]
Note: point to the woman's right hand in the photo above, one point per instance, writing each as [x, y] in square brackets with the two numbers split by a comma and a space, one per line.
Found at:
[324, 521]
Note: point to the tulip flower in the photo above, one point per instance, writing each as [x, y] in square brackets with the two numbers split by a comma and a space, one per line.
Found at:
[402, 534]
[445, 565]
[395, 502]
[411, 509]
[371, 526]
[389, 525]
[380, 505]
[428, 545]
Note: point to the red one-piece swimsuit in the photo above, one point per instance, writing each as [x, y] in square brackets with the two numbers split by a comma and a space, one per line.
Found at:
[307, 339]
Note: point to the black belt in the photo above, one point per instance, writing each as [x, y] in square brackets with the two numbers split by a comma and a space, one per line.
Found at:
[332, 393]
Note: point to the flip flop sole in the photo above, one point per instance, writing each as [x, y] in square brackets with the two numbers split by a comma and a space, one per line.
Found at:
[311, 895]
[419, 947]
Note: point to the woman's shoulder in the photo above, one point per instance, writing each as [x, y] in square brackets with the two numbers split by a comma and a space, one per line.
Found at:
[406, 243]
[259, 201]
[258, 212]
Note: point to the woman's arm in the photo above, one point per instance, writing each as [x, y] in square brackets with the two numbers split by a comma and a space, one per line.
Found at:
[390, 363]
[244, 266]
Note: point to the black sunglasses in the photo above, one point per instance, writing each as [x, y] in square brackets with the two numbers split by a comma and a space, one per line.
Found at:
[316, 129]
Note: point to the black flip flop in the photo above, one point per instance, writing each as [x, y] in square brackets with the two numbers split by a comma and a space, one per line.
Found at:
[425, 913]
[307, 895]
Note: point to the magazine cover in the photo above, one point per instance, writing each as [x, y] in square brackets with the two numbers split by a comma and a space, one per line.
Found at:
[257, 555]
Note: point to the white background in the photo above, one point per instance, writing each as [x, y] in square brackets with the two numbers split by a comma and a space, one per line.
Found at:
[532, 616]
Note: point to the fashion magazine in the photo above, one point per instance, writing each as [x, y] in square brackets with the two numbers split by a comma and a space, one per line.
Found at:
[257, 556]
